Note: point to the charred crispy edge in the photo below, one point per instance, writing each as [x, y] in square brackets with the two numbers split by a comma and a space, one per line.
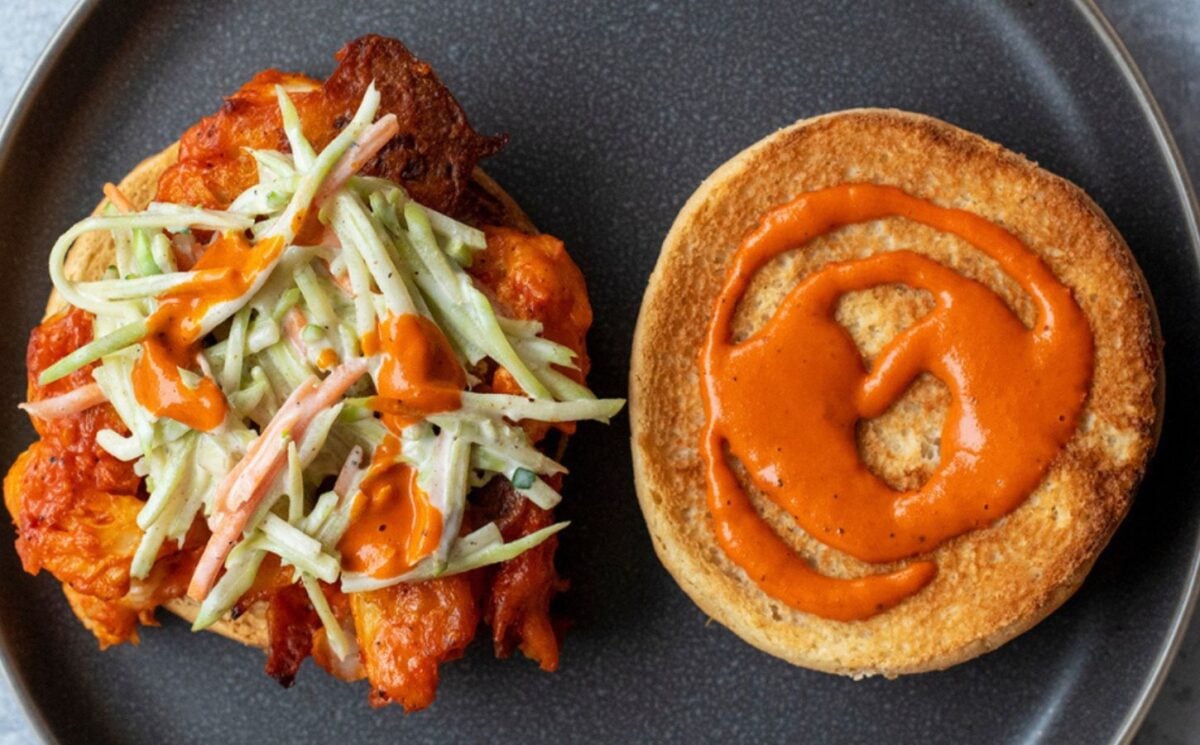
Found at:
[92, 253]
[679, 558]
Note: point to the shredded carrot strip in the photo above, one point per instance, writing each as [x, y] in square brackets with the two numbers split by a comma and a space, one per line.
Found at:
[246, 486]
[119, 200]
[366, 147]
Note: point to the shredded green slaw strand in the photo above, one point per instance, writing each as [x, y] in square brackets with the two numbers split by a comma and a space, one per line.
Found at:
[123, 337]
[395, 257]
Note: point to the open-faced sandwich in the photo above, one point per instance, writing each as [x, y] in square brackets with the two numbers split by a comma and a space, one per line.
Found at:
[304, 380]
[893, 387]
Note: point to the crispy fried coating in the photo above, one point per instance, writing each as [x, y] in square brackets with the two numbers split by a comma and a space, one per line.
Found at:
[111, 622]
[433, 156]
[517, 606]
[213, 165]
[406, 631]
[116, 621]
[533, 278]
[75, 506]
[436, 151]
[291, 622]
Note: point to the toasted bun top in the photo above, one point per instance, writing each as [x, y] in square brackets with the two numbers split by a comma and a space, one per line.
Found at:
[93, 253]
[992, 584]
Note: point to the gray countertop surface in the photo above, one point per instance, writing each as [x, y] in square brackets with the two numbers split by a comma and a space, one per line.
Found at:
[1162, 35]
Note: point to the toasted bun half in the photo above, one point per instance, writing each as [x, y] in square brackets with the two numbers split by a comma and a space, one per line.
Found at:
[994, 583]
[93, 253]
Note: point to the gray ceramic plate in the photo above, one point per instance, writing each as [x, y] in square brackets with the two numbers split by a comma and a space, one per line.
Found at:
[616, 113]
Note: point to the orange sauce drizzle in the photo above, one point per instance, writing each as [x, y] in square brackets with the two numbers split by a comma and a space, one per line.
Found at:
[393, 525]
[786, 401]
[327, 360]
[418, 373]
[226, 270]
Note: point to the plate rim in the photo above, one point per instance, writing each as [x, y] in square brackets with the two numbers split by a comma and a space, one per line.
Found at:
[13, 121]
[78, 16]
[1186, 193]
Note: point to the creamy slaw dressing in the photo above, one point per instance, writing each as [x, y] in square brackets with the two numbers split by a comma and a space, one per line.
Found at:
[255, 478]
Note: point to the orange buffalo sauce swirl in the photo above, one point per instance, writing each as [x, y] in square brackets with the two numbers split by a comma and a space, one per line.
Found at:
[393, 525]
[786, 401]
[227, 270]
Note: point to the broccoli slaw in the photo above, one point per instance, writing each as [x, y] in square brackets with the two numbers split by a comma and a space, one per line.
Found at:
[279, 362]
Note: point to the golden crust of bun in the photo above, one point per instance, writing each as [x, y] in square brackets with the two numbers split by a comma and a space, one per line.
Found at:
[92, 253]
[992, 584]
